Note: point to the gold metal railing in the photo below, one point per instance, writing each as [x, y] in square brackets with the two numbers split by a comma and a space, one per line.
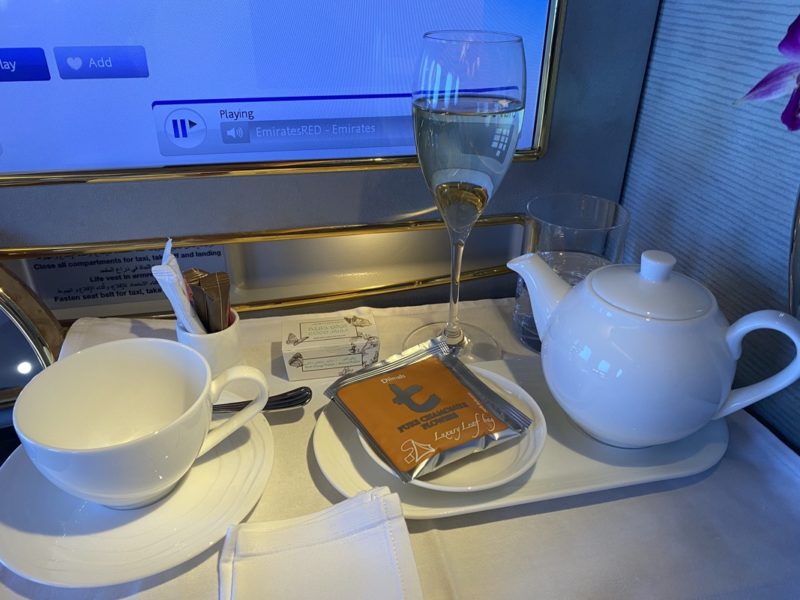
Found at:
[269, 235]
[283, 235]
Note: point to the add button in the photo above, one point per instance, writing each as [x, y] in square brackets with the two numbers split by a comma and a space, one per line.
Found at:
[23, 64]
[101, 62]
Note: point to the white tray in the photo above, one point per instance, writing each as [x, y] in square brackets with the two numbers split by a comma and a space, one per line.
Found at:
[571, 463]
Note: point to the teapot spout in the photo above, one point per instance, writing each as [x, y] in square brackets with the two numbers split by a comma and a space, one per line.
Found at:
[545, 287]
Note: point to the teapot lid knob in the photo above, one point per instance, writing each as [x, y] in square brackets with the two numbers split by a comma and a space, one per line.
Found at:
[652, 289]
[656, 265]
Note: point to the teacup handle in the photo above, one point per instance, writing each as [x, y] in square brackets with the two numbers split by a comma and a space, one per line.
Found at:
[762, 319]
[227, 427]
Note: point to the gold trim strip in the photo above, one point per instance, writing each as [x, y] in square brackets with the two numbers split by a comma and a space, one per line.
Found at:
[547, 88]
[470, 275]
[246, 238]
[212, 170]
[225, 170]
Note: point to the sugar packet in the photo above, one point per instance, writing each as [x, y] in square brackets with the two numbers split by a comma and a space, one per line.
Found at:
[169, 277]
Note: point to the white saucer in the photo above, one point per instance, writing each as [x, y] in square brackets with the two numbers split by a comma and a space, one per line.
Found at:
[496, 466]
[51, 537]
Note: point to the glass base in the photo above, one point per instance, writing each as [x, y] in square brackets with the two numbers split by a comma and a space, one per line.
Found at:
[477, 345]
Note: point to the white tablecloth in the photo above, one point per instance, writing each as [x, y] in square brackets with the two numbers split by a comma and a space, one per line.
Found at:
[730, 532]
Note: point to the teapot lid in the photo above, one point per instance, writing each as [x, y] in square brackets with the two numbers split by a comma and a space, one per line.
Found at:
[652, 289]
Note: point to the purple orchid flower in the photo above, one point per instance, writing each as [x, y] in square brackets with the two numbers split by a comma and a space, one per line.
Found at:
[783, 80]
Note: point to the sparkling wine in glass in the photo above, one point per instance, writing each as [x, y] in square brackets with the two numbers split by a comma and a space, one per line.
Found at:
[467, 108]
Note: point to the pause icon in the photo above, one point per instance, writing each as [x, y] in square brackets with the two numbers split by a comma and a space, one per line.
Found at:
[185, 128]
[180, 127]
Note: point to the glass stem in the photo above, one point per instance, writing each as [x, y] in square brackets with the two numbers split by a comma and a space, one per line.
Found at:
[453, 333]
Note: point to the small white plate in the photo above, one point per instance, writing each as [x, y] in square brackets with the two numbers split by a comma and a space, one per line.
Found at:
[496, 466]
[51, 537]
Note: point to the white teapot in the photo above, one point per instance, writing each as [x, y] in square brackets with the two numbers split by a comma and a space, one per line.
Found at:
[641, 355]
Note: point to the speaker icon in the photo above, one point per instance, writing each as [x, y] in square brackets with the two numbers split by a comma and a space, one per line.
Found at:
[235, 133]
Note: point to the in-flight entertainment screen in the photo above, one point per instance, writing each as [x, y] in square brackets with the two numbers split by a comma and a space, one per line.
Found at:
[95, 85]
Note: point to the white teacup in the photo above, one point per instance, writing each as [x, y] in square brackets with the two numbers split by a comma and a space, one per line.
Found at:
[120, 423]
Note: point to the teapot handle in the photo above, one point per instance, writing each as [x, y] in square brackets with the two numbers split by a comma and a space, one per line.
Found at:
[762, 319]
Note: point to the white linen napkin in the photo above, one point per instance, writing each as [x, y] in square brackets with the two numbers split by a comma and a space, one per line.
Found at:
[359, 548]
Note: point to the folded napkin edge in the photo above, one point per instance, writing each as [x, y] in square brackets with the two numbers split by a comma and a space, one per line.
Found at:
[379, 514]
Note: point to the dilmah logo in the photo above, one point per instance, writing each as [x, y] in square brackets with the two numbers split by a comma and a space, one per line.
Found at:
[74, 62]
[405, 396]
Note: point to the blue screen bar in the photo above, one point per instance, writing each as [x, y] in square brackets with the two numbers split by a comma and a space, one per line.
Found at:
[255, 125]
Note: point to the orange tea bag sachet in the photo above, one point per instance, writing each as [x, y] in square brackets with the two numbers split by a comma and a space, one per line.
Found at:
[423, 409]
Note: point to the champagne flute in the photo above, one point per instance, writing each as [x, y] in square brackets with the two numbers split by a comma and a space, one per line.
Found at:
[467, 109]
